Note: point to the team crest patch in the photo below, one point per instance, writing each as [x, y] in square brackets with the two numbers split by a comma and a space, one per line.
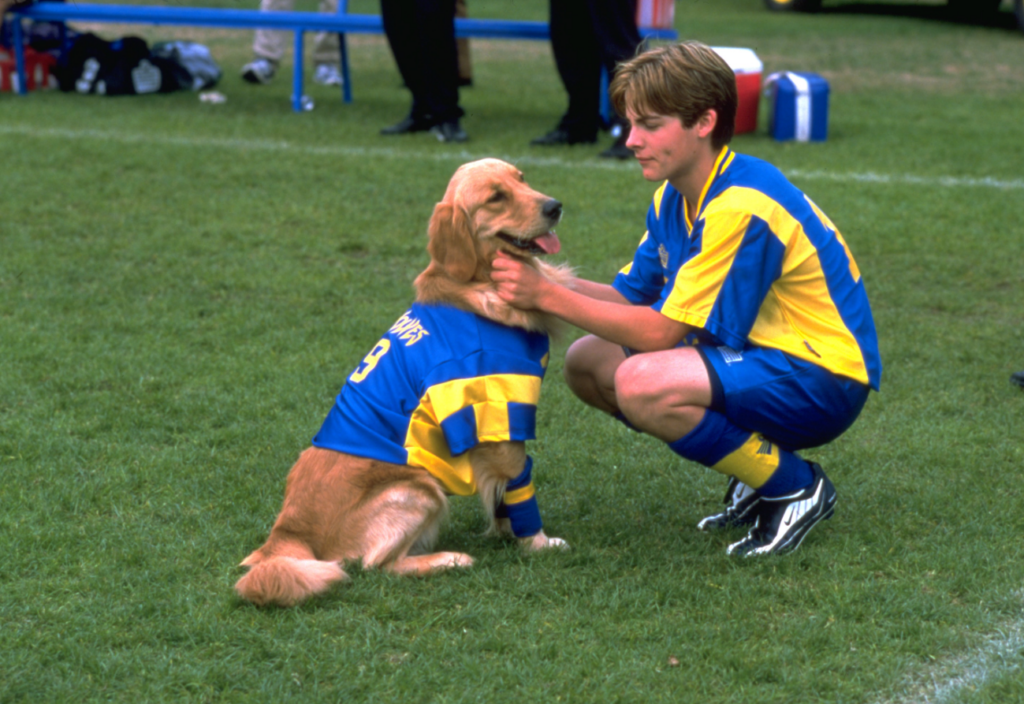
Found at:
[663, 256]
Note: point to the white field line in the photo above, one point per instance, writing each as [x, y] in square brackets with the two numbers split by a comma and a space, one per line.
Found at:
[908, 179]
[940, 683]
[460, 156]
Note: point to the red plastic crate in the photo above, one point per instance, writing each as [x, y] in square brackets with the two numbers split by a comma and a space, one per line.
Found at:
[38, 71]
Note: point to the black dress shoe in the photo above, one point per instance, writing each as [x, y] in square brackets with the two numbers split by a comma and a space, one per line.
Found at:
[620, 130]
[560, 135]
[409, 125]
[450, 131]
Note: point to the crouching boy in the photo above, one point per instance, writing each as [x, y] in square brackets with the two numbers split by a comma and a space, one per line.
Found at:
[741, 332]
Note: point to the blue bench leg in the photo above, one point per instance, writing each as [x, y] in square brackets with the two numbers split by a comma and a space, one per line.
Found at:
[19, 56]
[346, 83]
[297, 75]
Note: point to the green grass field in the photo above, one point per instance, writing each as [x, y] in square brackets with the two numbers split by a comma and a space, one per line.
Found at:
[185, 286]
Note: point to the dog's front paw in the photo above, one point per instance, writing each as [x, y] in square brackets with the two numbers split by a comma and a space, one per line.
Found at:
[542, 542]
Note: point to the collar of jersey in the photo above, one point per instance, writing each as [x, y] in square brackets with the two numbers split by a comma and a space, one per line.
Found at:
[722, 163]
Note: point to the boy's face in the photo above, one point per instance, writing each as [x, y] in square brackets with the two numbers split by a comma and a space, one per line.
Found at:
[665, 148]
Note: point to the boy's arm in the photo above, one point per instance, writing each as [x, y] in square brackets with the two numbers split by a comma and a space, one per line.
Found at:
[597, 308]
[600, 292]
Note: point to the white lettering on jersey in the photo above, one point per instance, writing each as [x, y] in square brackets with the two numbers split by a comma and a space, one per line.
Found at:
[408, 329]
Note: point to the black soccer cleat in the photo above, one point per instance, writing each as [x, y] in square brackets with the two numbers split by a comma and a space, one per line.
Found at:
[740, 502]
[783, 522]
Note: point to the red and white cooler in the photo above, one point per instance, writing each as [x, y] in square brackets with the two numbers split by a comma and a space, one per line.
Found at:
[748, 69]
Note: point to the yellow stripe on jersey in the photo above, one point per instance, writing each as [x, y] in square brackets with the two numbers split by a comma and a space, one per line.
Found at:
[428, 449]
[492, 422]
[854, 269]
[728, 161]
[798, 315]
[701, 279]
[629, 267]
[452, 396]
[658, 195]
[722, 162]
[489, 396]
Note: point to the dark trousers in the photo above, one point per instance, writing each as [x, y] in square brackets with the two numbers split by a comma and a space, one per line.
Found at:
[421, 34]
[587, 35]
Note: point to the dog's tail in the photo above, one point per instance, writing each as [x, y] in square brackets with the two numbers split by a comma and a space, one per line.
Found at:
[285, 581]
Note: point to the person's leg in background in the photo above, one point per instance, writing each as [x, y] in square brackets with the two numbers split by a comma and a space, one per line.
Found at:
[578, 60]
[400, 28]
[586, 36]
[326, 51]
[268, 46]
[618, 39]
[421, 34]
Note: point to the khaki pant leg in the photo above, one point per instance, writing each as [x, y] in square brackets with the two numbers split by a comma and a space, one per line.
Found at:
[325, 44]
[271, 43]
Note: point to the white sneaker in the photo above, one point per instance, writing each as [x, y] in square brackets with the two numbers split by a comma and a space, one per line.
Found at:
[327, 75]
[259, 71]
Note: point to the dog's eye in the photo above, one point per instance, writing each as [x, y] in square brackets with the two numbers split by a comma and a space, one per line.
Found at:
[498, 197]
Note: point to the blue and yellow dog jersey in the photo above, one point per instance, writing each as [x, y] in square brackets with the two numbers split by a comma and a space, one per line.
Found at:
[760, 265]
[441, 381]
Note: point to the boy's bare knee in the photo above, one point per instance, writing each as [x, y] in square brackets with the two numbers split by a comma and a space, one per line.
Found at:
[637, 386]
[655, 399]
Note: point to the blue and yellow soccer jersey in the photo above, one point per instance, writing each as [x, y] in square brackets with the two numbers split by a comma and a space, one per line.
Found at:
[761, 265]
[438, 383]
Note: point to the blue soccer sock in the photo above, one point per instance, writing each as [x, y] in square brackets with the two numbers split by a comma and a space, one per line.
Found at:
[519, 504]
[792, 475]
[750, 457]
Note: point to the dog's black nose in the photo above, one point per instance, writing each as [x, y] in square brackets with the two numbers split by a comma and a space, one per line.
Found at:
[552, 209]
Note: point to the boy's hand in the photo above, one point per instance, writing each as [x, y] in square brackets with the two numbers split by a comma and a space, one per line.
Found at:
[518, 283]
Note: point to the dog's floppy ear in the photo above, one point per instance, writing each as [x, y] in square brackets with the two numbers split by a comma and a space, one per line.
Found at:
[451, 244]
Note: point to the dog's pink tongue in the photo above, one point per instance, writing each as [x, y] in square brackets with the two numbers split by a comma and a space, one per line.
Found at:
[549, 243]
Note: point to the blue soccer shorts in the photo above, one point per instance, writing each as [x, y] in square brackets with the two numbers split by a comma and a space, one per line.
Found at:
[792, 402]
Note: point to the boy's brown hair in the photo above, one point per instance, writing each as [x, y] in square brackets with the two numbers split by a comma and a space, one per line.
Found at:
[685, 80]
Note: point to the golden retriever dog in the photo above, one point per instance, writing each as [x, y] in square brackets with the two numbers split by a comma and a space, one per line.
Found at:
[343, 505]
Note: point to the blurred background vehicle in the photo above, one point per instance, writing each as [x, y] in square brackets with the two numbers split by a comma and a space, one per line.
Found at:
[967, 10]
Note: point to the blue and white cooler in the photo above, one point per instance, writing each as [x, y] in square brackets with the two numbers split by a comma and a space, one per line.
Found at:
[799, 106]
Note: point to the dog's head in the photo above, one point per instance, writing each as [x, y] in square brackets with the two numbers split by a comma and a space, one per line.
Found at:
[488, 208]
